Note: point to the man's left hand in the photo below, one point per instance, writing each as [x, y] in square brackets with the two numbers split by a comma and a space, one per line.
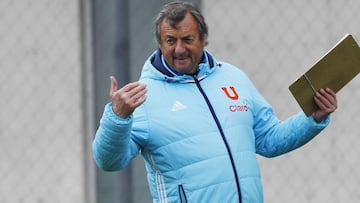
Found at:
[326, 100]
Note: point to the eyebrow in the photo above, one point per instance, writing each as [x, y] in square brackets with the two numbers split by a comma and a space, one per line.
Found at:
[184, 37]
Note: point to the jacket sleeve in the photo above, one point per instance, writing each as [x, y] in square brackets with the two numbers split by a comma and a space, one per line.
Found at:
[113, 147]
[274, 137]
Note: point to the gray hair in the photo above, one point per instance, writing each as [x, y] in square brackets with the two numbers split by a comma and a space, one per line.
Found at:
[175, 12]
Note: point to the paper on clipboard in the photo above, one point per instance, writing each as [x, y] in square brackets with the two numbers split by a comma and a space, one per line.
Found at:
[334, 70]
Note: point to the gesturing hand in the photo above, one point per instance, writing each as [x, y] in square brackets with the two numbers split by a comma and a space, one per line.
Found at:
[126, 99]
[327, 103]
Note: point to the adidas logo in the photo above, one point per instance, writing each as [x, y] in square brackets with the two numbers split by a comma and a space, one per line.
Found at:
[177, 106]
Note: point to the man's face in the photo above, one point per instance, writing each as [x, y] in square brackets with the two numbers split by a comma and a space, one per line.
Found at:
[181, 46]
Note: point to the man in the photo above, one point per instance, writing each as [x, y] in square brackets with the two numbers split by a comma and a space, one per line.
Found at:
[198, 122]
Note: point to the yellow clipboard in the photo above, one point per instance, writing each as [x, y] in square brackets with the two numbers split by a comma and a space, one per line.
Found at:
[334, 70]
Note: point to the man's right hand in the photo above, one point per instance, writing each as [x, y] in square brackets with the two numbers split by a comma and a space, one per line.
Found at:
[126, 99]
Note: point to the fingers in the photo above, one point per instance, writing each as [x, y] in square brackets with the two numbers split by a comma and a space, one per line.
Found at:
[127, 98]
[327, 103]
[326, 100]
[113, 85]
[133, 90]
[140, 100]
[134, 94]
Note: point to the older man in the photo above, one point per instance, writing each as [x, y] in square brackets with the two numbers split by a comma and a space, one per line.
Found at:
[197, 122]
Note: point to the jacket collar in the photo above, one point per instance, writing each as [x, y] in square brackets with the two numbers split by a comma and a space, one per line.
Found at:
[161, 65]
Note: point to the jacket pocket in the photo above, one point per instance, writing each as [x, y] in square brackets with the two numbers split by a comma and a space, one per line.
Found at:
[182, 194]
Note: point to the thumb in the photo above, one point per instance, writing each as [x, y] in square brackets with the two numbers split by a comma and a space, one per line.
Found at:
[113, 85]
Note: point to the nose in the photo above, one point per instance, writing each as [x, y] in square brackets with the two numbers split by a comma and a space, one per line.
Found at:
[179, 48]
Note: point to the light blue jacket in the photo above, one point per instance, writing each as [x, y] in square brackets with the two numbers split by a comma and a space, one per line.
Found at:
[199, 136]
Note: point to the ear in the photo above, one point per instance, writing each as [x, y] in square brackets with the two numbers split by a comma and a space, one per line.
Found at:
[206, 43]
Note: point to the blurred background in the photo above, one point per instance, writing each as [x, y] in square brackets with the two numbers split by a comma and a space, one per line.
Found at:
[56, 58]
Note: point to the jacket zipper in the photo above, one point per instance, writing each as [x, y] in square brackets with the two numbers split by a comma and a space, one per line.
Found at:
[197, 82]
[182, 194]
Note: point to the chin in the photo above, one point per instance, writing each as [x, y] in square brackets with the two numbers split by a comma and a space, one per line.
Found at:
[183, 69]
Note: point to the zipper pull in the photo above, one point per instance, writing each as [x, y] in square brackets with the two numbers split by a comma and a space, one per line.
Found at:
[195, 78]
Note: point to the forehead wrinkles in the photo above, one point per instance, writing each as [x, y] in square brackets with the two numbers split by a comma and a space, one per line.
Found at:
[187, 26]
